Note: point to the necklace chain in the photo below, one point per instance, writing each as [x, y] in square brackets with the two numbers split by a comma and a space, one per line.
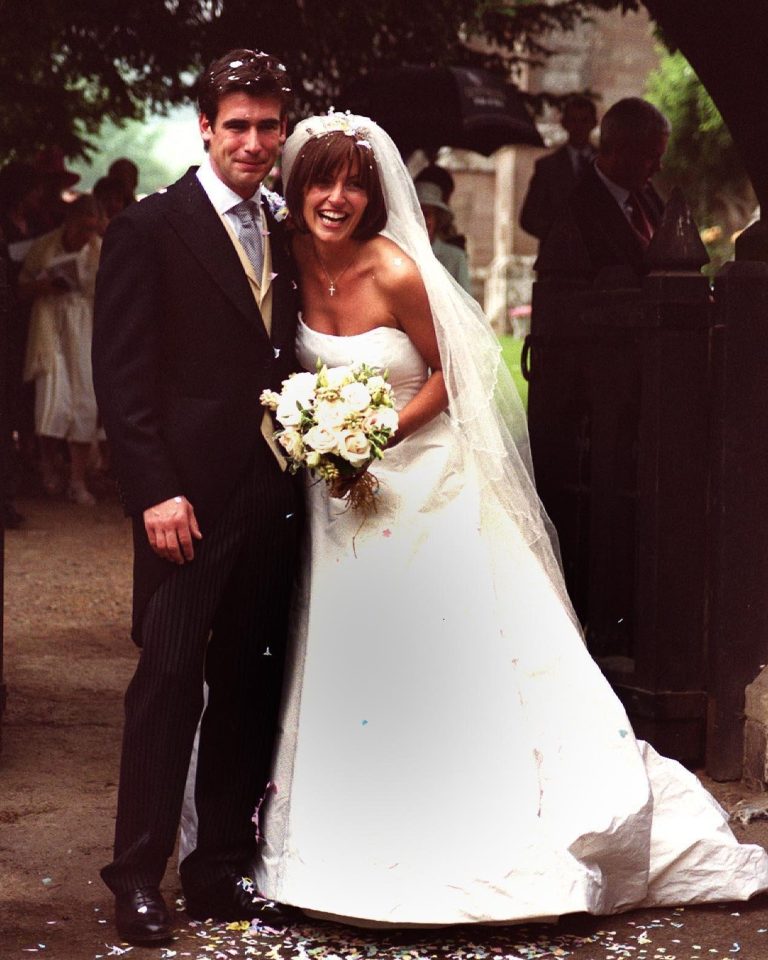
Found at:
[332, 282]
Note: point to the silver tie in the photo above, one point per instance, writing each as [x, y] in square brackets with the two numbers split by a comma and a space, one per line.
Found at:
[247, 212]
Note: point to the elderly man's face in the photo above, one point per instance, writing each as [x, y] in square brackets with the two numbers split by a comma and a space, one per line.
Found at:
[633, 164]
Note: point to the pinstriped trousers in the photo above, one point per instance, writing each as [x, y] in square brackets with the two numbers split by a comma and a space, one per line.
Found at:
[223, 618]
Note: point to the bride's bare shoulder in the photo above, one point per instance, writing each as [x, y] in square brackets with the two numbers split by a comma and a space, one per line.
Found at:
[393, 267]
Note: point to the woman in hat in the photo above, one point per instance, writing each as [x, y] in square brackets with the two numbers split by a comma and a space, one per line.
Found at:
[437, 215]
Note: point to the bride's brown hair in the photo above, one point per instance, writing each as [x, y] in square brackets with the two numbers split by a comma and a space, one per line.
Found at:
[320, 159]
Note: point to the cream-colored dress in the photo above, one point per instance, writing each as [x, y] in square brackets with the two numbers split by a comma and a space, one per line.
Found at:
[58, 356]
[450, 752]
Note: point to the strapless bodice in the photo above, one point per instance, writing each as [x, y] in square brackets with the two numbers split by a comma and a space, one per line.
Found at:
[383, 347]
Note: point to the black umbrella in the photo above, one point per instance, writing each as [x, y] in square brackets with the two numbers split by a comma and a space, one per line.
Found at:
[432, 107]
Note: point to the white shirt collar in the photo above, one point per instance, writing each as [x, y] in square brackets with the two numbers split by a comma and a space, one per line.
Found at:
[620, 194]
[220, 195]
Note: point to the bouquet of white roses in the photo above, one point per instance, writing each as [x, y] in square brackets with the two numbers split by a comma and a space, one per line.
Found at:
[335, 423]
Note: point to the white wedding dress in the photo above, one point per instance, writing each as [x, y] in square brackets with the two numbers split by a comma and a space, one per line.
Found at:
[450, 752]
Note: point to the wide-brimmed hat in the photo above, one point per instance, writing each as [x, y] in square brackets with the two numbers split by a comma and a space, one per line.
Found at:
[50, 164]
[430, 195]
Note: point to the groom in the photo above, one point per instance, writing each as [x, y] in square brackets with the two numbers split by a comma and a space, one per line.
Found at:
[196, 310]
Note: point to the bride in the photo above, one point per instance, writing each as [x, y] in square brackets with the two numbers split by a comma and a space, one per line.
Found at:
[450, 753]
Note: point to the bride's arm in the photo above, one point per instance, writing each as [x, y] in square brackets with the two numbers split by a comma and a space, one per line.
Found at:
[410, 307]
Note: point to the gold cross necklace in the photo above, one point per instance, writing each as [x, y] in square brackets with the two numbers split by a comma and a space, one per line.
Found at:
[333, 281]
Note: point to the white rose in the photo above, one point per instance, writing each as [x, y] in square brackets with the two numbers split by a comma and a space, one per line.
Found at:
[312, 459]
[356, 395]
[331, 414]
[381, 391]
[321, 440]
[292, 443]
[269, 399]
[354, 447]
[385, 418]
[300, 388]
[338, 376]
[288, 413]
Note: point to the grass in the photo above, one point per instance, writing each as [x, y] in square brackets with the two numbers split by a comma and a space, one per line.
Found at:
[511, 348]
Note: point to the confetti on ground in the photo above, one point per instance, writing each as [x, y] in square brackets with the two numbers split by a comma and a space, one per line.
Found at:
[319, 940]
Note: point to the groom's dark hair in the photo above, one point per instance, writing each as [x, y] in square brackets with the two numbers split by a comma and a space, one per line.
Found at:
[253, 72]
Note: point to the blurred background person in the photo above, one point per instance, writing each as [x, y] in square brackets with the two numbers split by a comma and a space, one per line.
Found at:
[21, 194]
[609, 220]
[556, 175]
[20, 197]
[434, 173]
[437, 214]
[55, 179]
[9, 472]
[111, 196]
[126, 173]
[58, 277]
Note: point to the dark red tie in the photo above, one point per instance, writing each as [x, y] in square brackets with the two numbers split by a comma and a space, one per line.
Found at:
[639, 220]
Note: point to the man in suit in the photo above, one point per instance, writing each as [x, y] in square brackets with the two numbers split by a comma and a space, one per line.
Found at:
[611, 216]
[556, 175]
[196, 308]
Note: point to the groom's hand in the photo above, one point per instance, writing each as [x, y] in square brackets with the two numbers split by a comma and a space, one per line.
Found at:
[171, 526]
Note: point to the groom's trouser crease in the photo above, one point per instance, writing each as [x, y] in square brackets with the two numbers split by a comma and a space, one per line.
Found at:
[237, 590]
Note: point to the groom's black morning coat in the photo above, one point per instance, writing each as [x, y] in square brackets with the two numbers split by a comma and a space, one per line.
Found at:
[181, 356]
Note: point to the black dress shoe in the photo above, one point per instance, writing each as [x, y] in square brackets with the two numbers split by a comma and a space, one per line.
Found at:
[142, 917]
[233, 899]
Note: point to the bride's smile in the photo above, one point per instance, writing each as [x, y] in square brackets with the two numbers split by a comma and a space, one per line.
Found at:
[334, 205]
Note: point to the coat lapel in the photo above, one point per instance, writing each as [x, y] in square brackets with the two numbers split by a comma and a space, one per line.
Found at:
[284, 284]
[617, 228]
[200, 228]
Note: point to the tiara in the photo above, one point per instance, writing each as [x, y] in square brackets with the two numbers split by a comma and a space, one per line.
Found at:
[333, 122]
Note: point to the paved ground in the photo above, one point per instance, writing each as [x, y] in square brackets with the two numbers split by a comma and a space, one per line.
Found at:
[67, 660]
